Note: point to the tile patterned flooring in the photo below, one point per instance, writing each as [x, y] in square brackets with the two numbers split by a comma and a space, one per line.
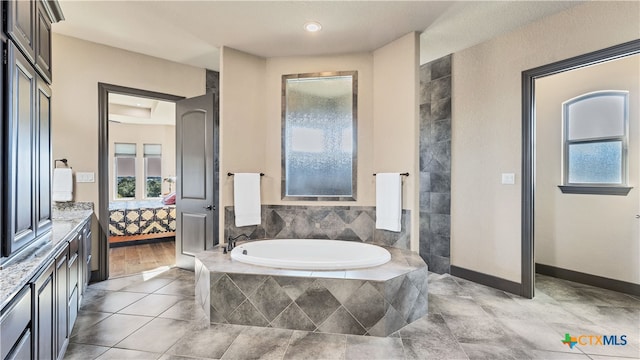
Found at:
[154, 316]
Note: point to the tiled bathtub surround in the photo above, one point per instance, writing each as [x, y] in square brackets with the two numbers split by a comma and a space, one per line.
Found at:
[374, 301]
[352, 223]
[435, 163]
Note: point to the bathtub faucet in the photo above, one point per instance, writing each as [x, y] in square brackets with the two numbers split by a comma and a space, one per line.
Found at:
[231, 242]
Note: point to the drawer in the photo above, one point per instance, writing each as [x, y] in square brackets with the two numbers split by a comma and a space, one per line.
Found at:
[14, 319]
[74, 264]
[23, 349]
[73, 244]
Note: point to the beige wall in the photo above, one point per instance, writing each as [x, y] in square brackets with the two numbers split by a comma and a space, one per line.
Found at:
[395, 119]
[576, 232]
[251, 118]
[164, 135]
[486, 127]
[78, 67]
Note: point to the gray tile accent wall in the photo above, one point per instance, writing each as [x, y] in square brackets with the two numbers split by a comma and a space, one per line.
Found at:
[435, 164]
[329, 305]
[212, 81]
[353, 223]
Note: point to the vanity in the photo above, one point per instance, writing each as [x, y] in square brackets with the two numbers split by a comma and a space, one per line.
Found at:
[42, 290]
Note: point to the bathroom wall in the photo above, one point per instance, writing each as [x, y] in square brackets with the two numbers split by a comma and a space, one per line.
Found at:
[486, 134]
[78, 66]
[251, 119]
[574, 231]
[435, 163]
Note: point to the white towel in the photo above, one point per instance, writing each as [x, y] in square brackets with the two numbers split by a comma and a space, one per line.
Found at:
[388, 201]
[246, 199]
[62, 185]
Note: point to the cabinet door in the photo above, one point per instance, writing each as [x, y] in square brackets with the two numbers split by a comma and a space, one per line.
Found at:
[43, 42]
[19, 196]
[20, 25]
[3, 46]
[45, 326]
[86, 237]
[43, 157]
[62, 314]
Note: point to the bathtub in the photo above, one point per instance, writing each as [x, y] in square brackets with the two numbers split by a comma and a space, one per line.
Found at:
[311, 254]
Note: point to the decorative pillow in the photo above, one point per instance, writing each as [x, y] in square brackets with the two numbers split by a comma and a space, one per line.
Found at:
[169, 199]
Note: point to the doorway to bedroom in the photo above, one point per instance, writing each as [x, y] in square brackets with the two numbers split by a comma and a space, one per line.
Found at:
[141, 184]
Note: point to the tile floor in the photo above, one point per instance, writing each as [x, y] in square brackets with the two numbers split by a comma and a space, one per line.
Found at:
[154, 316]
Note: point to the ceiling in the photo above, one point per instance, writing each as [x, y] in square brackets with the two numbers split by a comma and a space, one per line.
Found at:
[127, 109]
[192, 32]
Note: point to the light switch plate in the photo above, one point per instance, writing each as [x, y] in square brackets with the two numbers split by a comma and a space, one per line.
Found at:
[508, 178]
[85, 177]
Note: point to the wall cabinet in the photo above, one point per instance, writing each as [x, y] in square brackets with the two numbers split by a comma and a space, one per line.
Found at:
[26, 137]
[29, 26]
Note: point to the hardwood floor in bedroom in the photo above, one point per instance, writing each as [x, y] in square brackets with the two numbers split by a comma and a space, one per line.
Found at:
[133, 259]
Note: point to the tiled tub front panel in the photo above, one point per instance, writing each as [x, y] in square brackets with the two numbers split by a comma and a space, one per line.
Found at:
[353, 223]
[357, 307]
[359, 302]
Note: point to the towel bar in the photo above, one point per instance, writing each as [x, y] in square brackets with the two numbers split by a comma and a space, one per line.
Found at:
[401, 174]
[64, 161]
[231, 174]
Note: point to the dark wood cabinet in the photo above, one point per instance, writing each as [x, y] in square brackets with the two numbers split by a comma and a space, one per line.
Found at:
[21, 26]
[44, 307]
[20, 227]
[25, 141]
[43, 41]
[62, 296]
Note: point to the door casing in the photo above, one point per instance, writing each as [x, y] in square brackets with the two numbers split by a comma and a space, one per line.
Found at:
[103, 166]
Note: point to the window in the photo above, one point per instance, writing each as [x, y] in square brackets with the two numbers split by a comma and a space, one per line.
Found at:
[595, 143]
[319, 136]
[152, 170]
[125, 170]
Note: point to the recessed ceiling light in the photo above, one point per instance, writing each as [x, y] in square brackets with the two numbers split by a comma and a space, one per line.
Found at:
[312, 26]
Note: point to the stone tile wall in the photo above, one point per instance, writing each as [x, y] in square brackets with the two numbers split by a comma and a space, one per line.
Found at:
[353, 223]
[312, 303]
[435, 163]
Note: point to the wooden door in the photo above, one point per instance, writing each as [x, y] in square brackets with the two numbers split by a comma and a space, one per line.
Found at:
[196, 185]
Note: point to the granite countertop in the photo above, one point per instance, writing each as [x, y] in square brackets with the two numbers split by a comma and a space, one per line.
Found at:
[66, 220]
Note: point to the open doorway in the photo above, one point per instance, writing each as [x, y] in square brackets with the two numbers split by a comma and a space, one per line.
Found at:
[531, 186]
[141, 182]
[137, 153]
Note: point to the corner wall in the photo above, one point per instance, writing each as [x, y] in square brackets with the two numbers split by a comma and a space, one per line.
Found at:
[486, 136]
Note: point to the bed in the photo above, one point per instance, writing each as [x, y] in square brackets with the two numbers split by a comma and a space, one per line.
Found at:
[141, 220]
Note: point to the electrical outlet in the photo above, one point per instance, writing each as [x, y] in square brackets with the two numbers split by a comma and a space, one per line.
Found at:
[85, 177]
[508, 178]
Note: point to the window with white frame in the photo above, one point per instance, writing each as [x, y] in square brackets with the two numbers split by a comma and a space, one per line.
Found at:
[595, 140]
[152, 170]
[125, 170]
